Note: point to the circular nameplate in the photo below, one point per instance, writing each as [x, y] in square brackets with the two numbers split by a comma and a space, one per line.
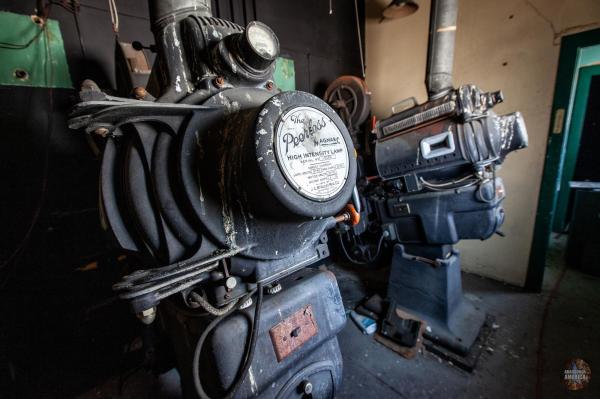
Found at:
[311, 153]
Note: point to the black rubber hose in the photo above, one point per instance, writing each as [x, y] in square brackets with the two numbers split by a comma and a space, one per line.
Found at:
[170, 208]
[247, 360]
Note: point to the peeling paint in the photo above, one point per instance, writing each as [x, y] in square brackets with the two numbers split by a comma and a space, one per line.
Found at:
[253, 386]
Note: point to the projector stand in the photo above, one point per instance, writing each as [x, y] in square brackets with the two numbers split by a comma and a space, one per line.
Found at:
[425, 282]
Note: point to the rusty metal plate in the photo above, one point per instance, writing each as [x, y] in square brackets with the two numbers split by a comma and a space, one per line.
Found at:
[293, 332]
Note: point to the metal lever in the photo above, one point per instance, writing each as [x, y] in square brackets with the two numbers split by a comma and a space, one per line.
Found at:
[146, 288]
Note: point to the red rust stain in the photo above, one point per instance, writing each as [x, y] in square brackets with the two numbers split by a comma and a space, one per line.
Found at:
[293, 332]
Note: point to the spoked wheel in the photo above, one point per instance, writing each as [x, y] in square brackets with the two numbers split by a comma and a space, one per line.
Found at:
[350, 98]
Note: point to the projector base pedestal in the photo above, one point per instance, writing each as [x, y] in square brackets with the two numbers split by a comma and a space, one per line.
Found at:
[425, 282]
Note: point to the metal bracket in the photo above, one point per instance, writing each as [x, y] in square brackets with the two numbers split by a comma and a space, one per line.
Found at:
[114, 112]
[147, 287]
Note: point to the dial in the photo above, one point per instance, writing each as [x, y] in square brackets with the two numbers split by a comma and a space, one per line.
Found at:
[257, 47]
[263, 40]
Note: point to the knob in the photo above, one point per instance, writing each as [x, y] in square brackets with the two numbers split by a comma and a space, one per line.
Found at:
[274, 288]
[258, 46]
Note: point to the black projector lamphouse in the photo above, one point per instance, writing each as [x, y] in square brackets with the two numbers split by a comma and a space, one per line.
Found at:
[221, 188]
[433, 183]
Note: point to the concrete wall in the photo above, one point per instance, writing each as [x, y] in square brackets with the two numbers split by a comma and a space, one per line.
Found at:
[511, 45]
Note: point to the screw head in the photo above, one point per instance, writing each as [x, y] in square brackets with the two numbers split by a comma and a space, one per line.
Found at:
[306, 386]
[230, 283]
[139, 93]
[101, 131]
[147, 316]
[219, 81]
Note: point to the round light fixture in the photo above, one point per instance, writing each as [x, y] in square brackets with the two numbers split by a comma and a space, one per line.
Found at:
[400, 9]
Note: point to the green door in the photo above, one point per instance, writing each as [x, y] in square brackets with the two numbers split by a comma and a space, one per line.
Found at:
[573, 55]
[572, 144]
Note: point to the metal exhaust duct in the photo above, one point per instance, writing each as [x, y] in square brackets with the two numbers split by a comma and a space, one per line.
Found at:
[162, 9]
[440, 52]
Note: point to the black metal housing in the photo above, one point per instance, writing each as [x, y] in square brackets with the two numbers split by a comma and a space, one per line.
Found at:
[443, 217]
[318, 361]
[192, 186]
[451, 132]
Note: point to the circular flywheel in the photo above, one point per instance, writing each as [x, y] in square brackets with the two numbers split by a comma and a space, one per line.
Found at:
[349, 96]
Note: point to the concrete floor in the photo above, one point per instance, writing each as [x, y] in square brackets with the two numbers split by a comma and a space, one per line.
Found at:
[507, 367]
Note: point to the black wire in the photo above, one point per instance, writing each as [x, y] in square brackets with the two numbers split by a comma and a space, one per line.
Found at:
[12, 46]
[248, 356]
[81, 45]
[253, 338]
[73, 8]
[350, 258]
[358, 262]
[70, 9]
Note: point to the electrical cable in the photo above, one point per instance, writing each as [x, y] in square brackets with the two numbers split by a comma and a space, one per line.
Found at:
[199, 299]
[114, 16]
[249, 353]
[449, 185]
[73, 7]
[12, 46]
[446, 184]
[360, 46]
[371, 259]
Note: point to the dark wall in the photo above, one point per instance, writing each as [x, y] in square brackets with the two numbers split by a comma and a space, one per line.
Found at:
[61, 330]
[588, 167]
[322, 45]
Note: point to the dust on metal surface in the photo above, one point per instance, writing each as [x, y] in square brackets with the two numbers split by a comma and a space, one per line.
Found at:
[293, 332]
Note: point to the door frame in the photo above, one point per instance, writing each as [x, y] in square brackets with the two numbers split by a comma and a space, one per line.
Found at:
[573, 140]
[566, 76]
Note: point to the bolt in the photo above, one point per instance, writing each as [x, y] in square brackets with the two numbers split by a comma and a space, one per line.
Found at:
[219, 81]
[230, 283]
[269, 85]
[306, 386]
[139, 93]
[101, 131]
[147, 316]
